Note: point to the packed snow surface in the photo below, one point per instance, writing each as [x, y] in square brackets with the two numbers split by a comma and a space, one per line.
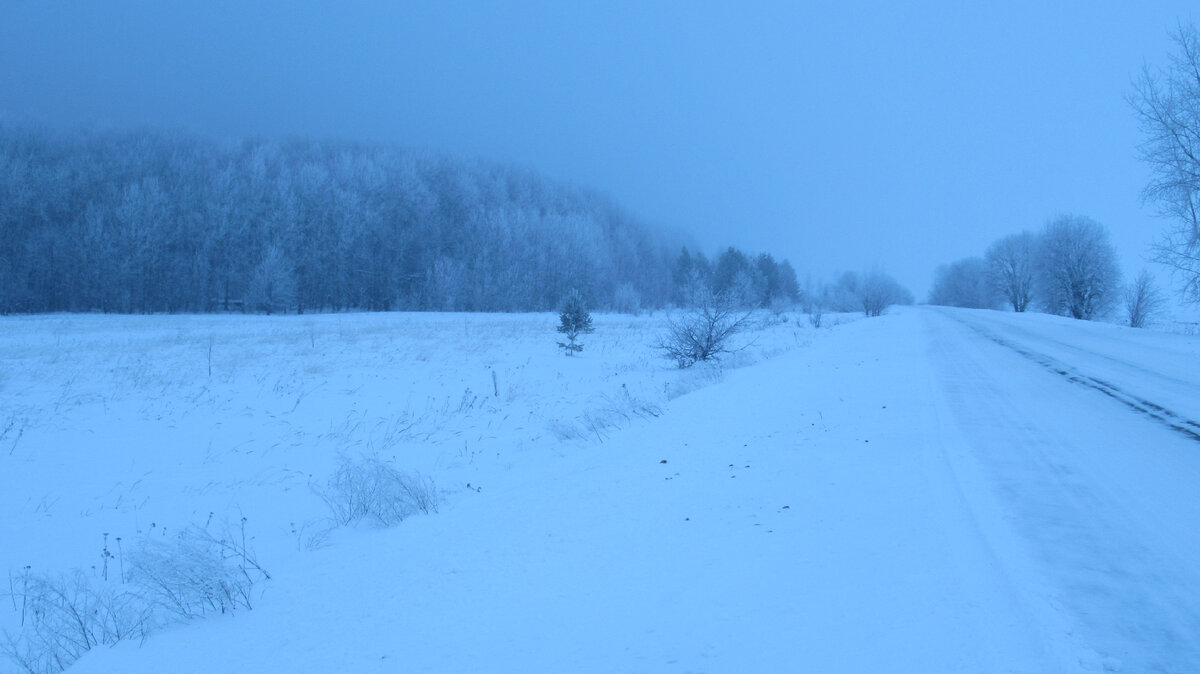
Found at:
[933, 490]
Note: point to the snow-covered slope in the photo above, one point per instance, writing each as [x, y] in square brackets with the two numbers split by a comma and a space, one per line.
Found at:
[912, 493]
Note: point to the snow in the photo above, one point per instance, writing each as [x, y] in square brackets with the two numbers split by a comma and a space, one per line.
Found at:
[910, 493]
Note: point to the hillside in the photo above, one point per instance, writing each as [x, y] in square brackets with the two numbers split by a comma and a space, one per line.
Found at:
[150, 222]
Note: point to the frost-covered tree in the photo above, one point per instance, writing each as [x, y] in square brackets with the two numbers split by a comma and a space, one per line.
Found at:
[877, 291]
[737, 278]
[626, 299]
[789, 285]
[844, 293]
[1012, 266]
[778, 282]
[574, 320]
[692, 273]
[964, 283]
[272, 288]
[1167, 103]
[1142, 300]
[1077, 268]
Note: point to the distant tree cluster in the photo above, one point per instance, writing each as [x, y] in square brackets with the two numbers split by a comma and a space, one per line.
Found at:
[964, 284]
[741, 280]
[870, 292]
[1068, 268]
[153, 222]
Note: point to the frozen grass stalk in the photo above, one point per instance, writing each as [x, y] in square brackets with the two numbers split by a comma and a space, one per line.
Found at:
[371, 489]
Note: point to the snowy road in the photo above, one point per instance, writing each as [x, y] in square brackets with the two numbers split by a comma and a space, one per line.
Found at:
[1104, 492]
[907, 494]
[1151, 373]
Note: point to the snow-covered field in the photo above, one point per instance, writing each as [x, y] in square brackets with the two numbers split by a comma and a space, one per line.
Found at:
[934, 490]
[115, 429]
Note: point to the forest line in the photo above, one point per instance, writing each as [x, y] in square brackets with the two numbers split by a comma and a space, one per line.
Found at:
[149, 222]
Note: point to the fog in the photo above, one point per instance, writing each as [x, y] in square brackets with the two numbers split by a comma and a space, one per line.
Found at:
[840, 137]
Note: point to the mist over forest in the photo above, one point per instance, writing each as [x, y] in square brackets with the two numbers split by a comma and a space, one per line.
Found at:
[150, 221]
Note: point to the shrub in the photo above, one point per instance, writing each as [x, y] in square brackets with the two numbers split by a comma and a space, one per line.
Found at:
[703, 332]
[815, 316]
[372, 489]
[197, 573]
[63, 617]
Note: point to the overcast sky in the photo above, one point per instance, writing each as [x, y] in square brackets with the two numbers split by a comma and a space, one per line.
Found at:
[841, 135]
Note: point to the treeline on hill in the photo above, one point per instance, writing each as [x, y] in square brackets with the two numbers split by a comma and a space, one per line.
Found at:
[1068, 268]
[164, 222]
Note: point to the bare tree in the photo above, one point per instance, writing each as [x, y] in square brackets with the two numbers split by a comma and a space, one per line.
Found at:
[703, 332]
[1077, 268]
[1167, 102]
[1142, 299]
[1011, 268]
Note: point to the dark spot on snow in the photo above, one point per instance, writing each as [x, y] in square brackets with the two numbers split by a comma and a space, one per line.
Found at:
[663, 461]
[786, 507]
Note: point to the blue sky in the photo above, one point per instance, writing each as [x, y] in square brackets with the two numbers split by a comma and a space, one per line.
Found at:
[841, 135]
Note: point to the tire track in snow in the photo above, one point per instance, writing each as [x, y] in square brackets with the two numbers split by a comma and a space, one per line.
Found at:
[1172, 420]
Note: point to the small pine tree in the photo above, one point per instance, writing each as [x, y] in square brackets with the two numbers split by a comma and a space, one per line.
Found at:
[574, 320]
